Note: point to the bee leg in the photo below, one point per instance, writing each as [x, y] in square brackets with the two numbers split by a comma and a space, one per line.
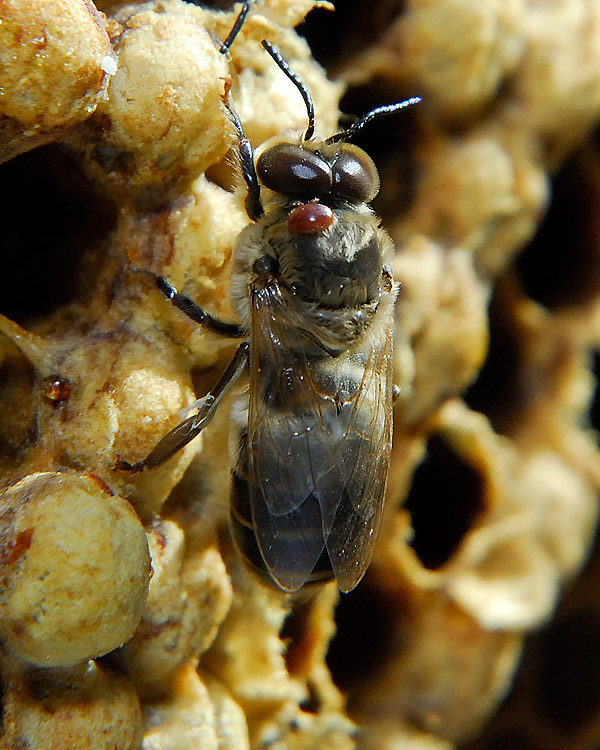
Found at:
[181, 435]
[194, 312]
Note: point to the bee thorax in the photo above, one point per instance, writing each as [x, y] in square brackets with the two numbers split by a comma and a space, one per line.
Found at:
[337, 268]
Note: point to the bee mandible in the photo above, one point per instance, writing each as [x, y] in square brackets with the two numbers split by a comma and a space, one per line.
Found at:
[312, 286]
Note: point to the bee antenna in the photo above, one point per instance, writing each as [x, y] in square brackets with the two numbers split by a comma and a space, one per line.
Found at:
[298, 83]
[237, 27]
[386, 109]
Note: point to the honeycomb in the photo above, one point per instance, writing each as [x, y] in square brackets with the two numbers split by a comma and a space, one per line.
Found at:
[127, 619]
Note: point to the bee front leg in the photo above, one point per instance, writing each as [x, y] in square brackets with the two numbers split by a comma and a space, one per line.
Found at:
[194, 312]
[181, 435]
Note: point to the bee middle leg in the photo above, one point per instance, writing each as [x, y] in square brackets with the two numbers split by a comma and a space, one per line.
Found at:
[181, 435]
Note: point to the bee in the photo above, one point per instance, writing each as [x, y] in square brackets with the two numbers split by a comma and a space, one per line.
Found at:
[312, 286]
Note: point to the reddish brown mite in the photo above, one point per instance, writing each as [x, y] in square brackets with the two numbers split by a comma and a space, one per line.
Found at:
[310, 218]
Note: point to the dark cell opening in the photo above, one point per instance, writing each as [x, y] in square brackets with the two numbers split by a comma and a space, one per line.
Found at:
[561, 265]
[555, 699]
[50, 215]
[497, 391]
[353, 26]
[365, 623]
[446, 496]
[569, 680]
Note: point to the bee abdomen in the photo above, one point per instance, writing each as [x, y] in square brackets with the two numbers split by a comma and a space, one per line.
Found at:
[244, 537]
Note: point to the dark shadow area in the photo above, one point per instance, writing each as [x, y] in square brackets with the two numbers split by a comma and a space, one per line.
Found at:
[569, 670]
[496, 392]
[353, 26]
[446, 496]
[561, 265]
[50, 215]
[364, 627]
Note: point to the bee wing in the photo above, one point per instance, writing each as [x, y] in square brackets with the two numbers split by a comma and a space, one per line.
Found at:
[363, 458]
[318, 465]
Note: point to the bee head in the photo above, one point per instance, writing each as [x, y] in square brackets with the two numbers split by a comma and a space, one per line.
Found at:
[331, 173]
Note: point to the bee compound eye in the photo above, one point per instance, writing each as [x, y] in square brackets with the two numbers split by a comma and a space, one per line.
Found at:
[355, 176]
[291, 170]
